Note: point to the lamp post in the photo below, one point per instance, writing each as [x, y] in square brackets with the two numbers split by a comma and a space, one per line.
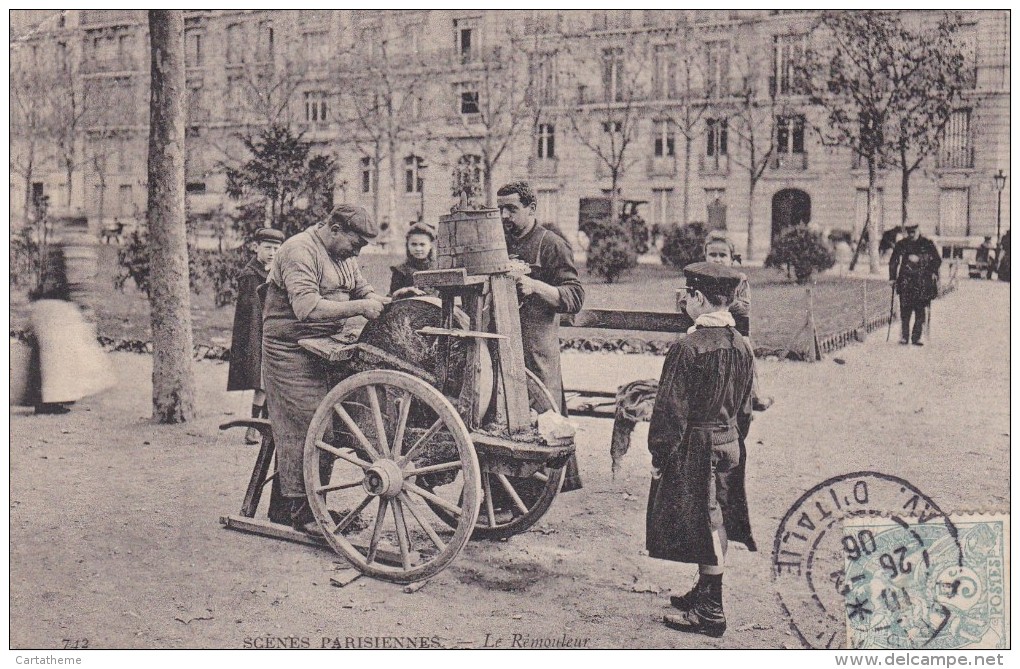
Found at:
[422, 166]
[1000, 183]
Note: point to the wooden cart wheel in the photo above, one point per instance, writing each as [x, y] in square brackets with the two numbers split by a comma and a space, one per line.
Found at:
[518, 502]
[394, 449]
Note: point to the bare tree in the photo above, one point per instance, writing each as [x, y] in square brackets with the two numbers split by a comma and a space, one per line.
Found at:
[607, 120]
[751, 118]
[382, 102]
[29, 122]
[678, 68]
[849, 68]
[929, 76]
[173, 379]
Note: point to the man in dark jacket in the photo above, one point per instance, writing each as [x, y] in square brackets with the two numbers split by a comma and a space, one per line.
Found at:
[552, 288]
[914, 270]
[246, 342]
[697, 502]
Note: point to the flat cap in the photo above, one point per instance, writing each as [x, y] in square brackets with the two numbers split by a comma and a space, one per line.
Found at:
[356, 219]
[269, 235]
[712, 278]
[910, 226]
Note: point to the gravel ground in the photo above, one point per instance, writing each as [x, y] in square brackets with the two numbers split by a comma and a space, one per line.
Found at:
[115, 535]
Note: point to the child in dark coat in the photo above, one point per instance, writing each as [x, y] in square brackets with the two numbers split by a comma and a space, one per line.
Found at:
[697, 501]
[420, 256]
[246, 343]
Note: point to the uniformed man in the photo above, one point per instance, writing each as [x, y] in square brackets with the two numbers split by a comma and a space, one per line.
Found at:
[914, 271]
[314, 286]
[551, 289]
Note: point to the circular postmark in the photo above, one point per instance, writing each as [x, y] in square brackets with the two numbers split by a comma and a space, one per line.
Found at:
[823, 554]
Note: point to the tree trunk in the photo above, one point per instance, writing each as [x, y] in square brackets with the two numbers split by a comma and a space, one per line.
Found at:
[872, 220]
[391, 203]
[904, 195]
[687, 180]
[29, 172]
[173, 379]
[69, 172]
[749, 253]
[487, 183]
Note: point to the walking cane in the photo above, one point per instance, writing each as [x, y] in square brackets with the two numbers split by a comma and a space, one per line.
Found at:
[892, 312]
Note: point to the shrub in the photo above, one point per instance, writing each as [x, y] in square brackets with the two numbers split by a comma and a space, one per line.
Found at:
[802, 249]
[25, 259]
[220, 270]
[133, 259]
[683, 245]
[610, 256]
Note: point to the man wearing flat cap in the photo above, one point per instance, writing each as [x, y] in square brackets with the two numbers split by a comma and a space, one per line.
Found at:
[914, 271]
[697, 503]
[314, 286]
[246, 343]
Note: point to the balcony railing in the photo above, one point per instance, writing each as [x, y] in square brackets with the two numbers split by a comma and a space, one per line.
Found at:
[92, 17]
[789, 162]
[661, 166]
[717, 164]
[542, 167]
[121, 64]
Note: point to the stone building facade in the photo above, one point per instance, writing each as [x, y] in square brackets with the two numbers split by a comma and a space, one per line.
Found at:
[412, 103]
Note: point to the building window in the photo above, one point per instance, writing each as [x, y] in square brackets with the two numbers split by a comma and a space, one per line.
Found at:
[543, 78]
[316, 107]
[956, 149]
[790, 134]
[546, 140]
[193, 54]
[615, 127]
[234, 43]
[664, 144]
[265, 46]
[664, 71]
[125, 48]
[125, 200]
[612, 74]
[954, 220]
[413, 181]
[316, 46]
[662, 207]
[367, 176]
[717, 77]
[196, 110]
[235, 98]
[548, 204]
[787, 53]
[717, 136]
[465, 37]
[469, 103]
[611, 19]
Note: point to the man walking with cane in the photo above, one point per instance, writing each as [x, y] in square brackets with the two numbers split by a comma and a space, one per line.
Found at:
[913, 273]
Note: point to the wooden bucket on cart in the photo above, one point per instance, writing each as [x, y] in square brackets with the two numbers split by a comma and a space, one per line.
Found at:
[472, 240]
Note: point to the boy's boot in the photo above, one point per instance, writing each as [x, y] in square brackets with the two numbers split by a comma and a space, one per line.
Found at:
[706, 616]
[686, 601]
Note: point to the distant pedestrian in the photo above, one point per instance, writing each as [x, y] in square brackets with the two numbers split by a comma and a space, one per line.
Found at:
[246, 342]
[914, 271]
[67, 362]
[421, 256]
[697, 502]
[1002, 262]
[983, 257]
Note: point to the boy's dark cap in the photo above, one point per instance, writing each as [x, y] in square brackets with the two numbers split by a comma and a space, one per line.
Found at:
[910, 226]
[269, 235]
[712, 278]
[356, 219]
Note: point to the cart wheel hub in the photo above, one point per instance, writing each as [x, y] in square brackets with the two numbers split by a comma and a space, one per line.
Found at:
[384, 479]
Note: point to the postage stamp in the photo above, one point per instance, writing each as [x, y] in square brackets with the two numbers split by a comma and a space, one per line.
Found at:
[909, 587]
[808, 556]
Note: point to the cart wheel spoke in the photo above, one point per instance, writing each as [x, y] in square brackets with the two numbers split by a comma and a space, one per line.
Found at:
[380, 425]
[352, 514]
[373, 546]
[405, 409]
[518, 502]
[403, 538]
[435, 499]
[431, 432]
[356, 431]
[540, 476]
[429, 530]
[344, 485]
[487, 487]
[333, 450]
[441, 467]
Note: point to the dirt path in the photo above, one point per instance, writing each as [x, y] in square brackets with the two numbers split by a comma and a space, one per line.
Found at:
[115, 534]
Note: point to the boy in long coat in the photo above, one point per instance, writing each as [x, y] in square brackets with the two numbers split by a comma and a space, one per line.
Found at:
[246, 342]
[697, 501]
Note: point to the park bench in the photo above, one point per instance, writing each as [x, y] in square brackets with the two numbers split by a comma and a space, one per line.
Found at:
[112, 231]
